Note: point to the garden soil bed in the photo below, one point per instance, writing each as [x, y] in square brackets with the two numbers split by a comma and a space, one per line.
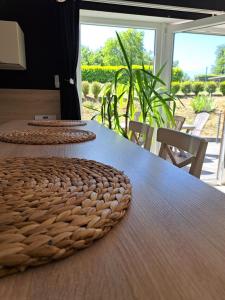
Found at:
[210, 129]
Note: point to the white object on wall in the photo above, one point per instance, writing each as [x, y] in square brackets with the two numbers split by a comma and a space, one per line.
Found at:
[12, 47]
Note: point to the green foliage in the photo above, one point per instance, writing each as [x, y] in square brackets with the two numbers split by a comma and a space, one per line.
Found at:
[203, 104]
[175, 87]
[111, 53]
[96, 89]
[104, 74]
[90, 57]
[222, 87]
[156, 102]
[186, 87]
[219, 67]
[197, 87]
[85, 88]
[133, 41]
[211, 87]
[177, 74]
[107, 114]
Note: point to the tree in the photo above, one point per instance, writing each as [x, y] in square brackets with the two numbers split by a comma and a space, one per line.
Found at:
[133, 41]
[86, 54]
[90, 57]
[219, 67]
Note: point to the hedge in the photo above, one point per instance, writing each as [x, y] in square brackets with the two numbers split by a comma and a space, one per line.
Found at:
[105, 74]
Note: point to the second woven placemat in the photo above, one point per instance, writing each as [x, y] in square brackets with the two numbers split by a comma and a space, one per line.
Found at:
[52, 207]
[57, 123]
[46, 136]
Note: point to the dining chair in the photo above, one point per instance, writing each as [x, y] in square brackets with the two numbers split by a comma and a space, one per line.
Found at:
[179, 121]
[141, 134]
[192, 148]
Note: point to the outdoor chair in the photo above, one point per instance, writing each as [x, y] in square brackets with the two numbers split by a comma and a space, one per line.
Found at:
[199, 123]
[193, 147]
[141, 134]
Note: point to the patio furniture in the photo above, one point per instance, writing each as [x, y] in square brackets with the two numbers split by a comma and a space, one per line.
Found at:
[136, 118]
[141, 134]
[188, 127]
[137, 115]
[169, 246]
[193, 147]
[179, 121]
[199, 123]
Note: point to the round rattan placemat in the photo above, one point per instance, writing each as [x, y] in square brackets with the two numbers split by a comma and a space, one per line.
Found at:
[52, 207]
[46, 136]
[57, 123]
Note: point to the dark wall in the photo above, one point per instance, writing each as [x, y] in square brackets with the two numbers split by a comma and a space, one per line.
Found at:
[38, 20]
[126, 9]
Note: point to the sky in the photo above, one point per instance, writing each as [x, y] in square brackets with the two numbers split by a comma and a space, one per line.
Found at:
[195, 52]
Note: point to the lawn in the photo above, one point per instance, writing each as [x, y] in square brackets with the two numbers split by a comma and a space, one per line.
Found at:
[210, 129]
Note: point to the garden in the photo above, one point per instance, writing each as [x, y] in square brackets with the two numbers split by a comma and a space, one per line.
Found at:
[209, 97]
[113, 93]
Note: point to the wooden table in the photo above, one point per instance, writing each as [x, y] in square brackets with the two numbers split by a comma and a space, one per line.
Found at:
[170, 245]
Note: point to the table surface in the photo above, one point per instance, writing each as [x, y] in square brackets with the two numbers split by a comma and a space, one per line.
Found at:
[170, 245]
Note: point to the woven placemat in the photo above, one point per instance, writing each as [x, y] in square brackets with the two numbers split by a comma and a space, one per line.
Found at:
[57, 123]
[46, 136]
[52, 207]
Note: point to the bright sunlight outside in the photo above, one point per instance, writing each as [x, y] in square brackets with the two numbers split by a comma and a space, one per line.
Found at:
[197, 76]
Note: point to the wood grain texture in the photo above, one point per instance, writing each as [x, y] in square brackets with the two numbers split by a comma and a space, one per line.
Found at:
[24, 104]
[170, 245]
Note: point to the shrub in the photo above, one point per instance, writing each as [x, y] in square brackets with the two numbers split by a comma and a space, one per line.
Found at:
[222, 87]
[85, 88]
[105, 74]
[175, 87]
[211, 87]
[197, 87]
[177, 74]
[203, 104]
[96, 89]
[186, 87]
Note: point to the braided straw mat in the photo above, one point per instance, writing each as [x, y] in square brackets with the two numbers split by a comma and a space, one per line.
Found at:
[46, 136]
[52, 207]
[57, 123]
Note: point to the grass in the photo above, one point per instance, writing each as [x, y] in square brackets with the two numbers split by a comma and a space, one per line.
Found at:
[210, 129]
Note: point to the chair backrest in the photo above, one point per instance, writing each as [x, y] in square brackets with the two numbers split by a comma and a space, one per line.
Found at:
[194, 147]
[179, 121]
[141, 134]
[199, 123]
[137, 115]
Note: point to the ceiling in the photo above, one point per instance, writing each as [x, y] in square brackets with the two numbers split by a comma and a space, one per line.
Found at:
[175, 9]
